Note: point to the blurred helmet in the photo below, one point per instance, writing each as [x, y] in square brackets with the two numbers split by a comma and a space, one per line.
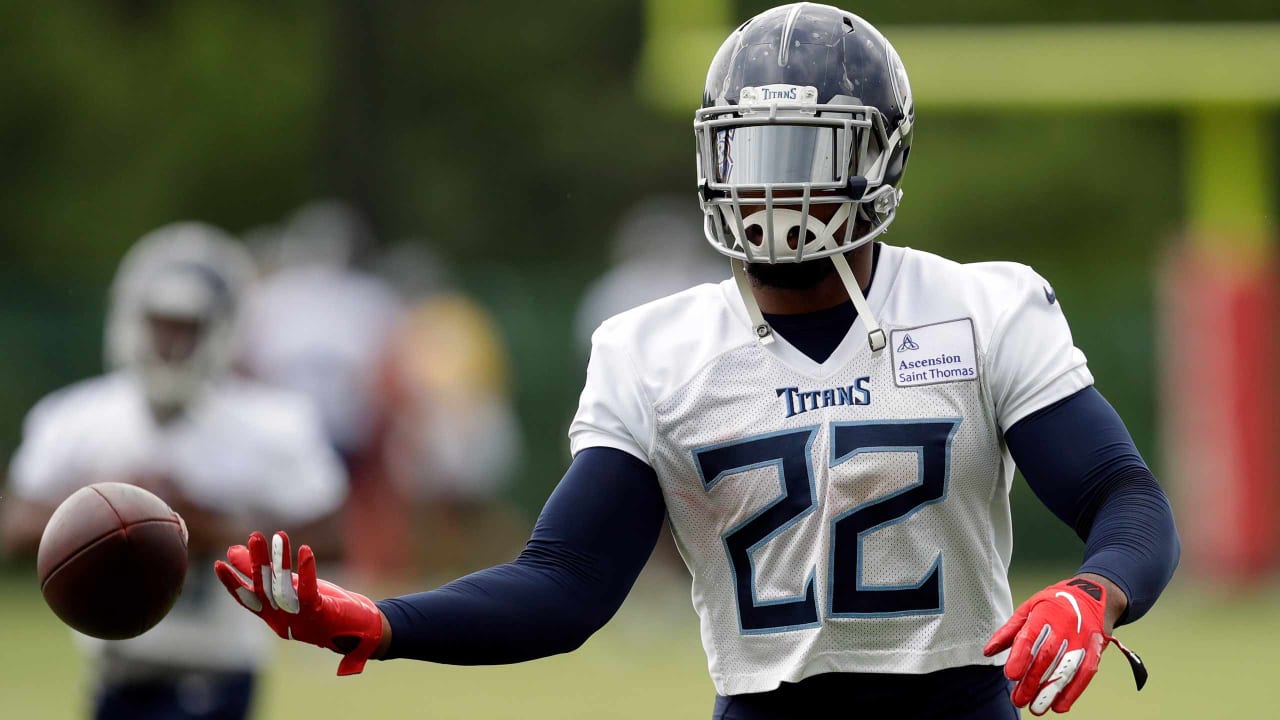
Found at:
[173, 310]
[659, 228]
[326, 233]
[804, 105]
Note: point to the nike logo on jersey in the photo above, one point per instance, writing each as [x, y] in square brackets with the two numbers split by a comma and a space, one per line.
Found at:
[1074, 606]
[1050, 295]
[802, 401]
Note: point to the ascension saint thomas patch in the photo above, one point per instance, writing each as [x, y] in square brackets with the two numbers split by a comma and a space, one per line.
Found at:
[937, 353]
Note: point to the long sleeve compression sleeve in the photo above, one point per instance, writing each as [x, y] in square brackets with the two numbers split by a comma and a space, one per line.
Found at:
[590, 543]
[1079, 459]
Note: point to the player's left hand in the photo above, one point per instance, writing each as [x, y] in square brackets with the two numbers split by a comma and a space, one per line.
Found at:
[1056, 639]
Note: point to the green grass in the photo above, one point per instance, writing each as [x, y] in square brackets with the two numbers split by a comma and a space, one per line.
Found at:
[1209, 657]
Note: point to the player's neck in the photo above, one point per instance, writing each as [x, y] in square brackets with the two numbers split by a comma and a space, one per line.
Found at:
[827, 293]
[165, 415]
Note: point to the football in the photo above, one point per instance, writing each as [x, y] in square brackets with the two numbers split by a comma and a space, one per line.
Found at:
[112, 560]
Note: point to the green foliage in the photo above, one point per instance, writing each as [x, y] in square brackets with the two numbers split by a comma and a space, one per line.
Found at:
[116, 118]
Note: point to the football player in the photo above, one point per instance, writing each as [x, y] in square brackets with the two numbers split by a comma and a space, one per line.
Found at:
[228, 455]
[833, 433]
[335, 358]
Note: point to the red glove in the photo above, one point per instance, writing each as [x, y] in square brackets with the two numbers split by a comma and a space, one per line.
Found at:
[1056, 639]
[297, 605]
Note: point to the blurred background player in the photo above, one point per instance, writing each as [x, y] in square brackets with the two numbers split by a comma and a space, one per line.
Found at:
[321, 327]
[656, 252]
[453, 440]
[225, 453]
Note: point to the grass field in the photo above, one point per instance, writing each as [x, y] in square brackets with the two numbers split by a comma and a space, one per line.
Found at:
[1210, 657]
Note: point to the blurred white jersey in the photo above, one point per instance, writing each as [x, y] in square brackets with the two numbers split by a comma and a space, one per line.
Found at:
[844, 516]
[245, 450]
[323, 332]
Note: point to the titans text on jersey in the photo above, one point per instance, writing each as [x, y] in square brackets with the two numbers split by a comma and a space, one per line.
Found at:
[802, 401]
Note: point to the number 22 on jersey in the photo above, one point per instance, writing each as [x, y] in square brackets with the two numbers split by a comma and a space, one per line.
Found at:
[790, 452]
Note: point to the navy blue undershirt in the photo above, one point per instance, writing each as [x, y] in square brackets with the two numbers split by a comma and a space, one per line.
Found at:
[818, 334]
[601, 523]
[1078, 458]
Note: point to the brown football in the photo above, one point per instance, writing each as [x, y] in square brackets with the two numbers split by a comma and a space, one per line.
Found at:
[112, 560]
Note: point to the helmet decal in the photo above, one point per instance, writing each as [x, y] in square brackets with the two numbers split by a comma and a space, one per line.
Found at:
[901, 85]
[724, 140]
[788, 27]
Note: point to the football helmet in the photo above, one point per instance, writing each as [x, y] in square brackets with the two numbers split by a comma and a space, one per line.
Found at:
[173, 310]
[805, 106]
[326, 233]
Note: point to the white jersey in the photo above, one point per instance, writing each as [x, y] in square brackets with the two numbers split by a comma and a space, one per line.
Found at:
[844, 516]
[334, 357]
[244, 450]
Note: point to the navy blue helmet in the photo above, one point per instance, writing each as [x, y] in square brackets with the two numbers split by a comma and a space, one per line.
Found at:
[805, 105]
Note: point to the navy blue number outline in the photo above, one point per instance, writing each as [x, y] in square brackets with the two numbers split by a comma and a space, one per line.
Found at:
[933, 576]
[807, 601]
[806, 605]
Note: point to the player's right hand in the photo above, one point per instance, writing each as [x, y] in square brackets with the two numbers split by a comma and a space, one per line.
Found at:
[298, 606]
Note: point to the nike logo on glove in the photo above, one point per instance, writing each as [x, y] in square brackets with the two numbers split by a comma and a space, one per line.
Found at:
[1074, 606]
[1050, 663]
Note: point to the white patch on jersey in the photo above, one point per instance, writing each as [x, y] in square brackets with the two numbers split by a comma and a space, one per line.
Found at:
[930, 354]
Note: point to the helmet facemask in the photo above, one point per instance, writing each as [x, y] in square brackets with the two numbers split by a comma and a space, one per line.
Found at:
[780, 151]
[766, 164]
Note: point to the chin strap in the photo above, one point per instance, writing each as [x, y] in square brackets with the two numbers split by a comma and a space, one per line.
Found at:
[875, 336]
[763, 332]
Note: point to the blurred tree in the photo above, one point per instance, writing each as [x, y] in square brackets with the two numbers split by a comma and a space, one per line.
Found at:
[118, 117]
